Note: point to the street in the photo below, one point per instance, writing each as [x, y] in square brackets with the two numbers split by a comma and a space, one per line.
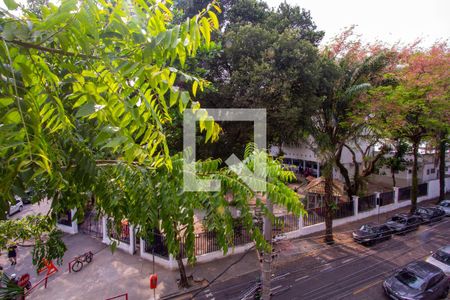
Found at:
[345, 270]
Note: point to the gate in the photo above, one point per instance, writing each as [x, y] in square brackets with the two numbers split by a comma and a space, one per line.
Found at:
[92, 225]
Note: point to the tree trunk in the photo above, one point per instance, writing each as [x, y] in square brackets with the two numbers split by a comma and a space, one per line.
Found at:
[267, 256]
[414, 176]
[442, 148]
[393, 177]
[329, 205]
[184, 283]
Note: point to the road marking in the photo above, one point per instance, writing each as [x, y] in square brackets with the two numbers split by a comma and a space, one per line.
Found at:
[367, 286]
[281, 276]
[274, 288]
[304, 277]
[209, 295]
[347, 260]
[326, 269]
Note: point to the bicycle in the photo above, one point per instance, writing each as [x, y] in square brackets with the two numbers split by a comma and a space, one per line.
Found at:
[80, 260]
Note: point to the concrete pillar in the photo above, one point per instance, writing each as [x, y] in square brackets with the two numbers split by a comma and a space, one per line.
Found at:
[74, 221]
[105, 230]
[396, 194]
[132, 246]
[300, 222]
[355, 205]
[377, 199]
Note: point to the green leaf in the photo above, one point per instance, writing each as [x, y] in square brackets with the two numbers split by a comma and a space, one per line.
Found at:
[86, 109]
[5, 101]
[11, 4]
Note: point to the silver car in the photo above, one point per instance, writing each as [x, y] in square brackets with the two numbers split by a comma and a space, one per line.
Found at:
[445, 206]
[18, 206]
[441, 259]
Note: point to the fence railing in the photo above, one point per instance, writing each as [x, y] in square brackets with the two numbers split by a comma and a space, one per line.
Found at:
[422, 189]
[404, 193]
[207, 242]
[386, 198]
[156, 244]
[367, 203]
[344, 210]
[122, 234]
[286, 223]
[314, 216]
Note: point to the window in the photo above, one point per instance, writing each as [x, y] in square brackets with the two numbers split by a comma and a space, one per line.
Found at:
[442, 257]
[433, 171]
[435, 280]
[409, 171]
[428, 171]
[410, 279]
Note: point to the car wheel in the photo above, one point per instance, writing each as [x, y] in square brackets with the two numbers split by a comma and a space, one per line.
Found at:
[20, 208]
[445, 294]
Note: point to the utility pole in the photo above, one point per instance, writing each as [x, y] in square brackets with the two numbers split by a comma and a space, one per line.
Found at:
[267, 257]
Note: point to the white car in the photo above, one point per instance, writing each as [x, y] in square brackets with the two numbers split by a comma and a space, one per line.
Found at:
[441, 259]
[445, 206]
[16, 207]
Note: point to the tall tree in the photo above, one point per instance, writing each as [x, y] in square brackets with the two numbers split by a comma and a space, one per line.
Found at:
[396, 162]
[418, 105]
[91, 85]
[348, 70]
[269, 60]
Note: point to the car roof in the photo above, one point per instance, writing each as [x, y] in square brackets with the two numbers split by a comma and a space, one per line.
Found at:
[404, 215]
[445, 249]
[445, 201]
[423, 269]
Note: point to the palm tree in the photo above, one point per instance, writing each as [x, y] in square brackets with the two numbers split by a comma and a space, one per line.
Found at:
[344, 79]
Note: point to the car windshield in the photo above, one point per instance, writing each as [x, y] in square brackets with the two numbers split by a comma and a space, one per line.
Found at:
[442, 257]
[410, 279]
[398, 219]
[366, 228]
[445, 204]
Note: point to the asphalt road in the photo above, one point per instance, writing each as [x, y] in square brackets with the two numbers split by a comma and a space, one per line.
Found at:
[342, 271]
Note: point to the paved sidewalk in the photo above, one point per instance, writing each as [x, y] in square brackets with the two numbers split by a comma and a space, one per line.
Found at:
[111, 274]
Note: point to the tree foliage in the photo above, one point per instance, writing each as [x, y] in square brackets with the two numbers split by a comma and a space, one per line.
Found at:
[90, 84]
[417, 106]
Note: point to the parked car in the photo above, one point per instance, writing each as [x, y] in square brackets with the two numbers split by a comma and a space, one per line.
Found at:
[369, 234]
[445, 206]
[417, 280]
[441, 259]
[402, 223]
[429, 214]
[18, 206]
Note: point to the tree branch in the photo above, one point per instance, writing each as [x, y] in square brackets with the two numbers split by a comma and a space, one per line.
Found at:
[46, 49]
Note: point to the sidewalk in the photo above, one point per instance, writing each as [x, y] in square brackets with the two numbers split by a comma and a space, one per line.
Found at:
[112, 274]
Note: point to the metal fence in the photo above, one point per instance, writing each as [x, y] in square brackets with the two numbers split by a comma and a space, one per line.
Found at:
[314, 216]
[122, 234]
[386, 198]
[156, 244]
[343, 210]
[286, 223]
[367, 203]
[65, 218]
[92, 225]
[404, 193]
[422, 189]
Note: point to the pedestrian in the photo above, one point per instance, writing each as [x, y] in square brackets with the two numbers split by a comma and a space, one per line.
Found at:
[12, 254]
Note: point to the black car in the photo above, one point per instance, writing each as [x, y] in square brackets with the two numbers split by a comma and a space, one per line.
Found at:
[402, 223]
[371, 233]
[417, 280]
[429, 214]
